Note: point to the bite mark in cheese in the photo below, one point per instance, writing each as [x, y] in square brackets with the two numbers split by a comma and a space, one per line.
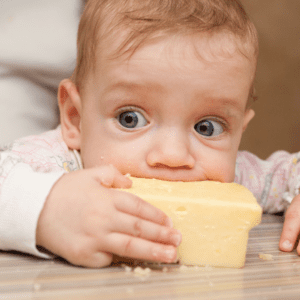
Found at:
[214, 218]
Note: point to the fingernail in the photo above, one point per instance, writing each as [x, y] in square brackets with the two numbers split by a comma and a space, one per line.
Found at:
[169, 222]
[176, 239]
[287, 245]
[106, 183]
[170, 255]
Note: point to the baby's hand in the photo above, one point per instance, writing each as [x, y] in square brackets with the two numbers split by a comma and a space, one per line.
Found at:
[85, 221]
[291, 227]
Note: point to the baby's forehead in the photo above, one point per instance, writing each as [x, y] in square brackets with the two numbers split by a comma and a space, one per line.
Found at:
[111, 29]
[204, 46]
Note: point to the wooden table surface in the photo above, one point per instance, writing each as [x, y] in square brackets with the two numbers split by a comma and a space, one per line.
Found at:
[277, 276]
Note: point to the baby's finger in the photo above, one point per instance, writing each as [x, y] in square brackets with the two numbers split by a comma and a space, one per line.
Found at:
[110, 177]
[291, 226]
[133, 205]
[133, 247]
[90, 259]
[134, 226]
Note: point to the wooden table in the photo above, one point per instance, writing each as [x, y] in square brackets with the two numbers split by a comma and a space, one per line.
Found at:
[26, 277]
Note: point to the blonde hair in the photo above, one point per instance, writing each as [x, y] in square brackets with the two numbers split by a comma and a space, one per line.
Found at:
[143, 19]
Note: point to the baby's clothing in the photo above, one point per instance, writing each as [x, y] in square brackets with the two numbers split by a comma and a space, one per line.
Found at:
[30, 167]
[274, 182]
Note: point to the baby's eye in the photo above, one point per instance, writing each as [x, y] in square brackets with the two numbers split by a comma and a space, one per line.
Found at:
[132, 119]
[209, 128]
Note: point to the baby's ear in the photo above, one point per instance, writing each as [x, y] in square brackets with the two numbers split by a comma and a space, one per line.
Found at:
[70, 107]
[249, 114]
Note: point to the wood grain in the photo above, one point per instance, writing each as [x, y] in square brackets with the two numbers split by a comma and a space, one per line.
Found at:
[276, 275]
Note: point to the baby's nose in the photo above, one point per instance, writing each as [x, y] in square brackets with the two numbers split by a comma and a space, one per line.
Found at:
[171, 149]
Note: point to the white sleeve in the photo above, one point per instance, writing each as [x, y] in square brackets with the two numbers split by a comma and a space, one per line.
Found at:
[28, 170]
[21, 205]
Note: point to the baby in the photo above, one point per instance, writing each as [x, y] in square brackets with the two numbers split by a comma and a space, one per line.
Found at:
[162, 89]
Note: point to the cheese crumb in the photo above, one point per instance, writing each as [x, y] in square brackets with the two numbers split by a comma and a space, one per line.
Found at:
[183, 268]
[36, 287]
[130, 290]
[127, 268]
[265, 256]
[141, 271]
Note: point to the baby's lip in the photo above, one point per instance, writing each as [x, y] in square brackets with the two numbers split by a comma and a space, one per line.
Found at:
[172, 177]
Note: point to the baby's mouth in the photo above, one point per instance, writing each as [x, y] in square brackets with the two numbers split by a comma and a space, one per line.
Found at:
[172, 175]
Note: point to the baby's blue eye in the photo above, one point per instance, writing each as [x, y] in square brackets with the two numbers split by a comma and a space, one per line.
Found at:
[132, 119]
[209, 128]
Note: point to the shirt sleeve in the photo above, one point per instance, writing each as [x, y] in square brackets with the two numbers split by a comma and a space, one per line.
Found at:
[28, 170]
[21, 205]
[274, 181]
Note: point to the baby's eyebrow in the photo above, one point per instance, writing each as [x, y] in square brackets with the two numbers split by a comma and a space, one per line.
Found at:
[132, 86]
[232, 105]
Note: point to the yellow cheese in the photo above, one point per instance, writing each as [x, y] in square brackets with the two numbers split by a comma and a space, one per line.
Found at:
[214, 218]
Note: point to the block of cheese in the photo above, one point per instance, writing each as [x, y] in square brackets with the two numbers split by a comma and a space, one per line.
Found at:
[214, 218]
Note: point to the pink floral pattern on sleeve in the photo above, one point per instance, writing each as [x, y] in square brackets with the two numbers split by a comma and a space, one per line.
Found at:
[274, 182]
[46, 152]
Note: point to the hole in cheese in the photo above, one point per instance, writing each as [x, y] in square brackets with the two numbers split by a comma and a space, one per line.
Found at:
[181, 209]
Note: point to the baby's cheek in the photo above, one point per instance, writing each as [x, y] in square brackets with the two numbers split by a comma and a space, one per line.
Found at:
[223, 170]
[128, 167]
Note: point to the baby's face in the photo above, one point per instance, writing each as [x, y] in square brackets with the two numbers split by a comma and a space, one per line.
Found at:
[166, 113]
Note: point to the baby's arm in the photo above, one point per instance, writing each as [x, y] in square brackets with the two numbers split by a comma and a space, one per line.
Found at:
[28, 170]
[275, 183]
[85, 221]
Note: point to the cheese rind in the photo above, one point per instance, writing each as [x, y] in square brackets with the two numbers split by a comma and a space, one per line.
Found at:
[214, 218]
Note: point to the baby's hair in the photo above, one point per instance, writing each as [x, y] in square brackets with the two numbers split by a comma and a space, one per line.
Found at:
[137, 21]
